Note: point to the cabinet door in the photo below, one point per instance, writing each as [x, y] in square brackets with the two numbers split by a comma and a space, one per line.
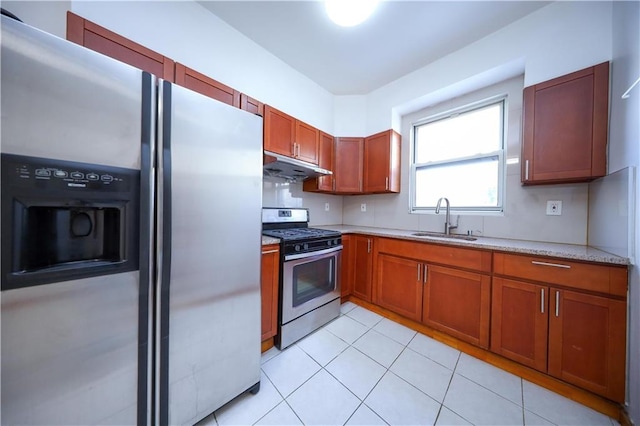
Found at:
[519, 322]
[251, 105]
[100, 39]
[565, 122]
[382, 162]
[362, 266]
[349, 154]
[399, 285]
[458, 303]
[192, 79]
[269, 290]
[279, 131]
[325, 161]
[346, 267]
[307, 142]
[587, 336]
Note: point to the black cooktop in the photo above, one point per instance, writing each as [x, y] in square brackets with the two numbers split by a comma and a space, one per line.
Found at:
[294, 234]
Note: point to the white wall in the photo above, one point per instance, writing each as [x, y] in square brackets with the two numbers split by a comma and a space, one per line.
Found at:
[552, 41]
[624, 139]
[524, 216]
[49, 16]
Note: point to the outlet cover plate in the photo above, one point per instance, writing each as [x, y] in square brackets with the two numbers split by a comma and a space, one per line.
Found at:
[363, 207]
[554, 208]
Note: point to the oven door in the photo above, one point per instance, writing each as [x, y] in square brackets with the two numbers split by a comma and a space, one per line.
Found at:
[309, 280]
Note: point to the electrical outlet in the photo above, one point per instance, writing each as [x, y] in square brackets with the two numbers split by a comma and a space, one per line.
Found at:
[327, 207]
[363, 207]
[554, 208]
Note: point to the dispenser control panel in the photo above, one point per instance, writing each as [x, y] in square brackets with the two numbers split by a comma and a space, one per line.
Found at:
[36, 172]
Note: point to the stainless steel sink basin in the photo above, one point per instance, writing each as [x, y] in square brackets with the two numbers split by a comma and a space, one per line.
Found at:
[442, 235]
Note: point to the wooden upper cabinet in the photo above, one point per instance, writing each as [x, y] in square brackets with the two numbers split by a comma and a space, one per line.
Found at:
[279, 131]
[192, 79]
[349, 159]
[307, 138]
[100, 39]
[325, 161]
[565, 127]
[251, 105]
[285, 135]
[382, 162]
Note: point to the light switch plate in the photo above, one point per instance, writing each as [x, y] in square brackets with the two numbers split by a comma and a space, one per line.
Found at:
[554, 208]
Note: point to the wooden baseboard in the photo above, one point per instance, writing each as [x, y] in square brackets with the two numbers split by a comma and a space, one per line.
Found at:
[591, 400]
[266, 345]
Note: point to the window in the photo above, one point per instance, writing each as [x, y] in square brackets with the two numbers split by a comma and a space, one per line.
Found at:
[460, 155]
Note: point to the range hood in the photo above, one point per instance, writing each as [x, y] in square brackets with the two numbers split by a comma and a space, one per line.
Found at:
[276, 165]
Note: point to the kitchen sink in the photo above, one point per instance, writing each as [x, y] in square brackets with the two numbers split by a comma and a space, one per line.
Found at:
[442, 235]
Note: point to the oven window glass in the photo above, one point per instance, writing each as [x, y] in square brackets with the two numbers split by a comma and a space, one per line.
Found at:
[313, 279]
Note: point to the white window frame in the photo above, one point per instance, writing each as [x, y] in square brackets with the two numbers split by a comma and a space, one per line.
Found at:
[500, 154]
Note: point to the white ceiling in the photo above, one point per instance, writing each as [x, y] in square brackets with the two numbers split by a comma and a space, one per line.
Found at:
[400, 37]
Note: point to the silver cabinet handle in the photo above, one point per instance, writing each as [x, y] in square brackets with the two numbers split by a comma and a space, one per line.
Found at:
[360, 185]
[334, 184]
[269, 251]
[419, 269]
[555, 265]
[526, 170]
[424, 275]
[542, 300]
[557, 303]
[368, 245]
[386, 183]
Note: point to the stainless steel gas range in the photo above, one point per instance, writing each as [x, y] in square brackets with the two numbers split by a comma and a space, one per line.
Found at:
[309, 273]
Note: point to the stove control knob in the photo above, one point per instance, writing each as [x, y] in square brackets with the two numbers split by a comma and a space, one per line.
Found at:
[328, 242]
[335, 242]
[306, 246]
[297, 247]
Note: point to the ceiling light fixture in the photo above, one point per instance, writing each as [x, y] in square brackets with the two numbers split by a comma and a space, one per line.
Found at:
[348, 13]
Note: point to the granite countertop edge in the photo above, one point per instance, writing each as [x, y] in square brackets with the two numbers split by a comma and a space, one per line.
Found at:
[269, 240]
[557, 250]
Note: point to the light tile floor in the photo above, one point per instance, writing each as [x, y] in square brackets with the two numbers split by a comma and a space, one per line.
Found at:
[363, 369]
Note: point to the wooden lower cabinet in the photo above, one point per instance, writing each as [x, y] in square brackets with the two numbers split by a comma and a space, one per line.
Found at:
[458, 303]
[587, 342]
[519, 323]
[576, 337]
[346, 267]
[399, 285]
[362, 247]
[269, 290]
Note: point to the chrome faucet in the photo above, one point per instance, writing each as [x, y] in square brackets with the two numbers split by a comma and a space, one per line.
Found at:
[447, 220]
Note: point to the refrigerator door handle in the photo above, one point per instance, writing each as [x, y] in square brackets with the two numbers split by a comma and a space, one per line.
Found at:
[163, 251]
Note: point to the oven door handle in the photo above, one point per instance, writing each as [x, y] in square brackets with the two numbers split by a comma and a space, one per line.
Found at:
[312, 253]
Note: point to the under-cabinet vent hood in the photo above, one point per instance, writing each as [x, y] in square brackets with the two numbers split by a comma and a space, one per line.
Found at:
[276, 165]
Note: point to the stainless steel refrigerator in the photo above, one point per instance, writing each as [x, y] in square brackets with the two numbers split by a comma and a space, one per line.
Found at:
[130, 241]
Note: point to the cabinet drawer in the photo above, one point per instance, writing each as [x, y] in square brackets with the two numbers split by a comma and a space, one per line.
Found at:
[585, 276]
[477, 260]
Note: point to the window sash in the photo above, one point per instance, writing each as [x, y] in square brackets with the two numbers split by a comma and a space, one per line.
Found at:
[473, 159]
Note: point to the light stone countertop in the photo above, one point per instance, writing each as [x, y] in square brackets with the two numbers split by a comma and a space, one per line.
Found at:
[563, 251]
[269, 240]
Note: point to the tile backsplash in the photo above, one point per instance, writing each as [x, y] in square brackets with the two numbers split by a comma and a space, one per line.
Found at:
[278, 192]
[611, 213]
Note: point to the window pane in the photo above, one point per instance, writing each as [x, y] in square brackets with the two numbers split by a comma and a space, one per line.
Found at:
[470, 133]
[465, 184]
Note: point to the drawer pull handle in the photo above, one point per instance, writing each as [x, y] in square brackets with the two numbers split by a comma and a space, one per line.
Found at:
[368, 245]
[555, 265]
[542, 300]
[269, 251]
[526, 170]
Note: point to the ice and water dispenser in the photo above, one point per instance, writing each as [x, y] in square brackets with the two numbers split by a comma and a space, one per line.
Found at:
[66, 220]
